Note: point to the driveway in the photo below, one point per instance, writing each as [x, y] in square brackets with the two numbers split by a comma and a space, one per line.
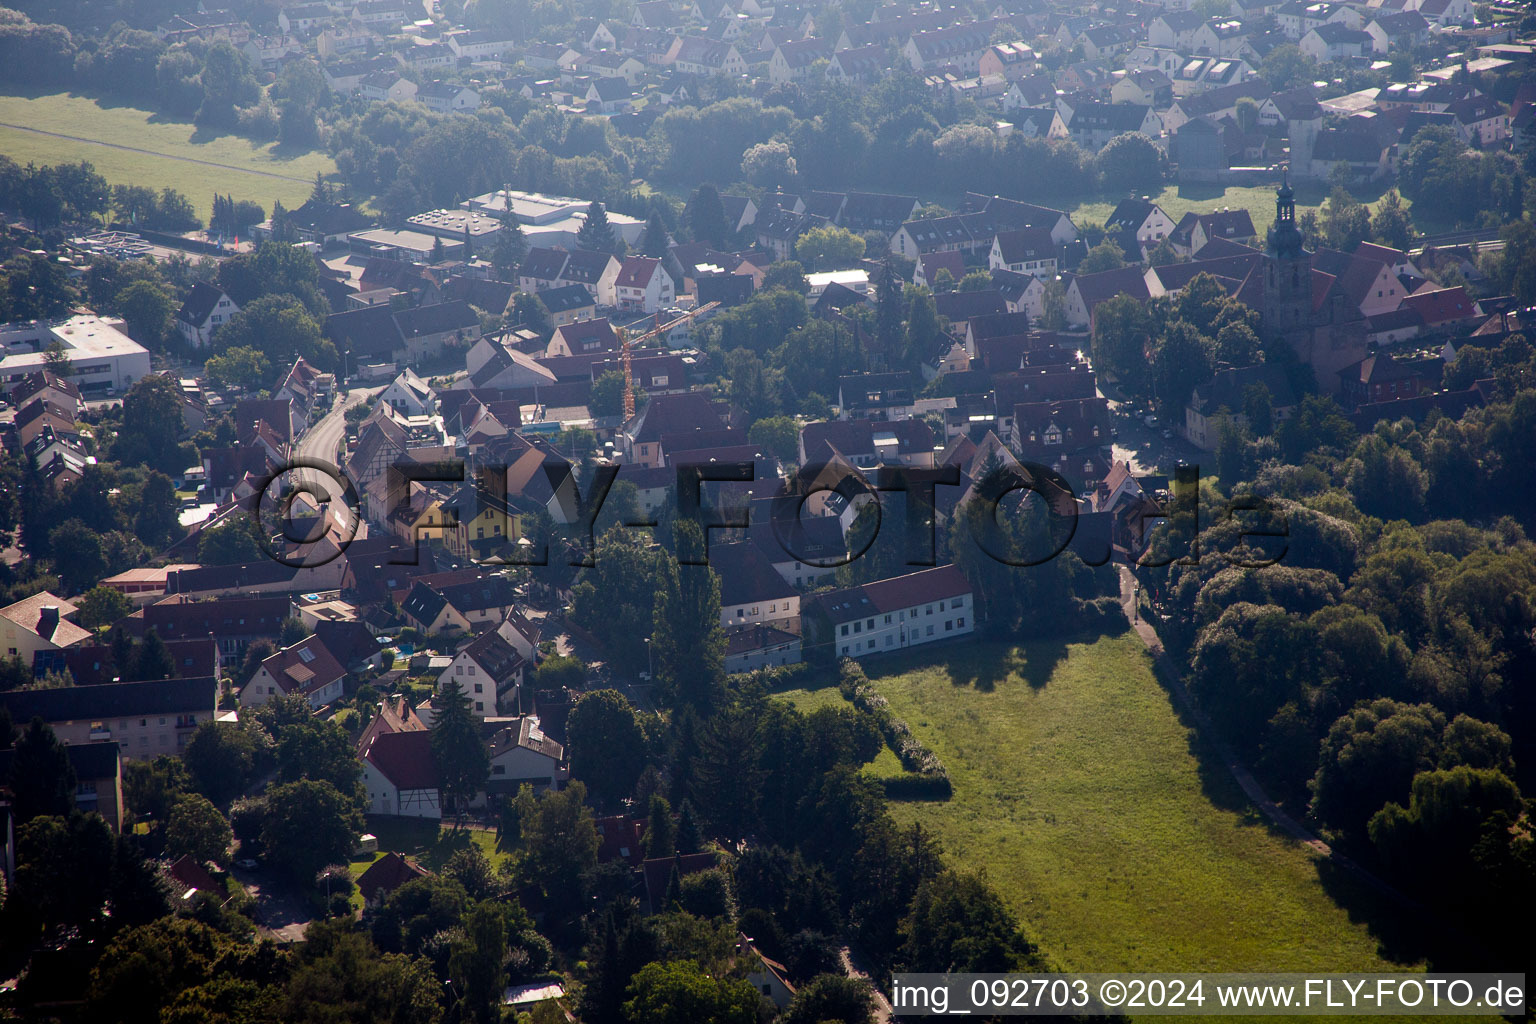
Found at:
[280, 915]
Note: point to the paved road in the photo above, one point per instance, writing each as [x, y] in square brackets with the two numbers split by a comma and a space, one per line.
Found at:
[320, 442]
[854, 968]
[281, 916]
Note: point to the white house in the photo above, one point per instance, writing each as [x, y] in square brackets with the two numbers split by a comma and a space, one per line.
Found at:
[400, 775]
[888, 615]
[486, 669]
[447, 98]
[308, 667]
[387, 87]
[409, 395]
[522, 753]
[206, 308]
[1030, 251]
[41, 622]
[643, 284]
[1336, 41]
[1144, 219]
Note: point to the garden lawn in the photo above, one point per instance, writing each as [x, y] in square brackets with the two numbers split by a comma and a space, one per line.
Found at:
[1076, 790]
[131, 146]
[428, 843]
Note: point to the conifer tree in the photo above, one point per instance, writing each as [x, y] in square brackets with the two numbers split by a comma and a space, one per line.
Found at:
[660, 830]
[596, 233]
[463, 764]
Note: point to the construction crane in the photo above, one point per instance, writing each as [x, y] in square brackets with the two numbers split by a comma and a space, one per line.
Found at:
[655, 331]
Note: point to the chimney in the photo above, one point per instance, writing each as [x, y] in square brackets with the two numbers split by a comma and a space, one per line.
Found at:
[48, 621]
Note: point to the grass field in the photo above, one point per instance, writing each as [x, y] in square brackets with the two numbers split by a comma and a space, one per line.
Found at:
[1259, 201]
[1077, 791]
[428, 843]
[131, 146]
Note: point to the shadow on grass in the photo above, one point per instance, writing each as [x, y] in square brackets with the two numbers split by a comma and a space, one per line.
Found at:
[422, 840]
[1405, 935]
[1033, 663]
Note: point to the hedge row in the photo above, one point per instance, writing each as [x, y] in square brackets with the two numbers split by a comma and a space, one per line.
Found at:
[911, 786]
[926, 778]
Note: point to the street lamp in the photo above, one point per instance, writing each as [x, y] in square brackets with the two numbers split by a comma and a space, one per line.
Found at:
[650, 661]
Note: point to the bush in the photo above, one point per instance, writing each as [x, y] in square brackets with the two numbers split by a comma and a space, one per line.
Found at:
[1100, 615]
[912, 786]
[920, 762]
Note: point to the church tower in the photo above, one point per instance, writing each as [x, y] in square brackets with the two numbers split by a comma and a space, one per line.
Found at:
[1287, 270]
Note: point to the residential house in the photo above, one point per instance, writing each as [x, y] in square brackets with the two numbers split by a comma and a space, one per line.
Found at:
[1011, 60]
[610, 96]
[146, 719]
[387, 874]
[752, 592]
[1379, 378]
[859, 65]
[867, 443]
[1092, 124]
[1030, 251]
[669, 416]
[487, 669]
[1481, 120]
[597, 272]
[960, 46]
[206, 308]
[1227, 393]
[892, 614]
[757, 647]
[523, 754]
[1335, 41]
[1399, 30]
[1149, 88]
[1107, 41]
[1222, 38]
[1298, 17]
[643, 284]
[234, 623]
[1141, 220]
[798, 60]
[697, 55]
[429, 330]
[1194, 230]
[568, 303]
[42, 622]
[584, 337]
[98, 769]
[1447, 13]
[307, 667]
[400, 775]
[1087, 291]
[448, 98]
[1359, 153]
[387, 87]
[1174, 30]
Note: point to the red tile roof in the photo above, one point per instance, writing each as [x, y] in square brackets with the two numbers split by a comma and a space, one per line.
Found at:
[404, 758]
[387, 874]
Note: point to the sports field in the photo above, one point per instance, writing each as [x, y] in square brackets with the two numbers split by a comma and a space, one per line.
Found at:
[131, 146]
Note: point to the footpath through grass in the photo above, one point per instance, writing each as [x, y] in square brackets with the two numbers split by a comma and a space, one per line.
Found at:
[1077, 791]
[131, 146]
